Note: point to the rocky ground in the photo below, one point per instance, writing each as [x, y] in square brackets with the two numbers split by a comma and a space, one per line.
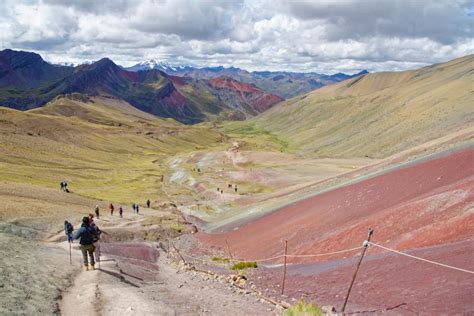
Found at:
[135, 276]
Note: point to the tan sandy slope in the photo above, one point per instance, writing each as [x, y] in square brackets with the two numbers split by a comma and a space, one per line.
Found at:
[378, 114]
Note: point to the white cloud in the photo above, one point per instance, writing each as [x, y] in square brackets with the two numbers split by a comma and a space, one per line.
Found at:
[322, 36]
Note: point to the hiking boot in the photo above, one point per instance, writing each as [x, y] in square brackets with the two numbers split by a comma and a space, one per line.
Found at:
[91, 267]
[86, 267]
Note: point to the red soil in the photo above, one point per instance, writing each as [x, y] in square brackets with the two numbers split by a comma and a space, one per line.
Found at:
[427, 204]
[409, 207]
[386, 281]
[231, 84]
[178, 81]
[137, 253]
[266, 101]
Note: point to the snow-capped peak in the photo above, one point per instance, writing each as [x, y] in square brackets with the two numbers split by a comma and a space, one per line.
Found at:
[154, 64]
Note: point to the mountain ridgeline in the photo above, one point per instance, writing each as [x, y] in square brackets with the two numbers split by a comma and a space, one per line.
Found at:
[27, 81]
[281, 83]
[186, 94]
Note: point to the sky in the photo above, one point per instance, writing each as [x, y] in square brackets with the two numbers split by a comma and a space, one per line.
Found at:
[325, 36]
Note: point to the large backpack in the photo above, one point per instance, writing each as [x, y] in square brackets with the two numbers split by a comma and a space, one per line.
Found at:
[95, 232]
[68, 228]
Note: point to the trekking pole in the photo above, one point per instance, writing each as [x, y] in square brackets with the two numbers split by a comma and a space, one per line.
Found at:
[70, 253]
[365, 244]
[98, 252]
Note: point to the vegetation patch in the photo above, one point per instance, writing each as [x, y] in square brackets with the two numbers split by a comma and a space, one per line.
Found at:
[301, 308]
[220, 259]
[244, 265]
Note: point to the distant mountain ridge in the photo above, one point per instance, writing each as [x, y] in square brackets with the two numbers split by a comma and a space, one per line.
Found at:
[285, 84]
[27, 81]
[377, 114]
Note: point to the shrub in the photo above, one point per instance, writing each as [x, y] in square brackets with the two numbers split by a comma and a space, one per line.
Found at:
[219, 259]
[244, 265]
[304, 309]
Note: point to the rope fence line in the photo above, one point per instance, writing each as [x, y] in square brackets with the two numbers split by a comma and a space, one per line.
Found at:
[277, 257]
[421, 259]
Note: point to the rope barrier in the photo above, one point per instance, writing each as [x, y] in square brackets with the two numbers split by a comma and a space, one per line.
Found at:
[280, 256]
[325, 254]
[422, 259]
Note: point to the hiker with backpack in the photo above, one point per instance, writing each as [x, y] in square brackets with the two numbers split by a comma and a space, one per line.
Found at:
[111, 207]
[148, 203]
[137, 208]
[121, 212]
[97, 211]
[87, 234]
[68, 229]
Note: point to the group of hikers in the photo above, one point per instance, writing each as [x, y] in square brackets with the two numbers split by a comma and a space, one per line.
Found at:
[135, 208]
[228, 186]
[89, 233]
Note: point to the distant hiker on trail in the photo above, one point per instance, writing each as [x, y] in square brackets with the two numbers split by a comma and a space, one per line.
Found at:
[63, 185]
[235, 189]
[68, 229]
[111, 207]
[134, 207]
[148, 203]
[218, 190]
[97, 211]
[137, 208]
[87, 234]
[121, 212]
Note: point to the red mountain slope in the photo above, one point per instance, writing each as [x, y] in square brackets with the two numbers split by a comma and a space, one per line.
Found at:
[244, 94]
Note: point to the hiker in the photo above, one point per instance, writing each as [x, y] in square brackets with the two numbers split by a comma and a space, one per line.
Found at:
[63, 185]
[111, 207]
[121, 211]
[68, 229]
[97, 211]
[87, 234]
[148, 203]
[235, 189]
[222, 191]
[134, 207]
[137, 208]
[95, 227]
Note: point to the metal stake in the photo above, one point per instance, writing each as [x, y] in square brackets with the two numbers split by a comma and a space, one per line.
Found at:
[366, 244]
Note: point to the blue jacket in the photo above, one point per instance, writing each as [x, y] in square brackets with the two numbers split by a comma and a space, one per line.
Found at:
[86, 233]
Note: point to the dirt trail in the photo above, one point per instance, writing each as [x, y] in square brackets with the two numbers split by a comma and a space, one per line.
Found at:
[124, 286]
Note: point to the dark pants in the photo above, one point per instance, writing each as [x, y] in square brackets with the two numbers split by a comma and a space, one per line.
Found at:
[88, 249]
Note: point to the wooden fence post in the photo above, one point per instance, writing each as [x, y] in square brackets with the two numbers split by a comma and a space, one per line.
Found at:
[365, 244]
[284, 269]
[228, 249]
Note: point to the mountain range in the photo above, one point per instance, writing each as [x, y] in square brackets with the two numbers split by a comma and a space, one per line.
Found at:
[281, 83]
[189, 95]
[27, 81]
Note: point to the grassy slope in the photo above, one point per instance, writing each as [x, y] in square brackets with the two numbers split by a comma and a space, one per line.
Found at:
[105, 149]
[378, 114]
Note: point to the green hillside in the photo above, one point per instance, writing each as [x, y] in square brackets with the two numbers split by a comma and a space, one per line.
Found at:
[378, 114]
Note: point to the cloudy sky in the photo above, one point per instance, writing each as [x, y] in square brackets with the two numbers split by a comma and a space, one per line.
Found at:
[325, 36]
